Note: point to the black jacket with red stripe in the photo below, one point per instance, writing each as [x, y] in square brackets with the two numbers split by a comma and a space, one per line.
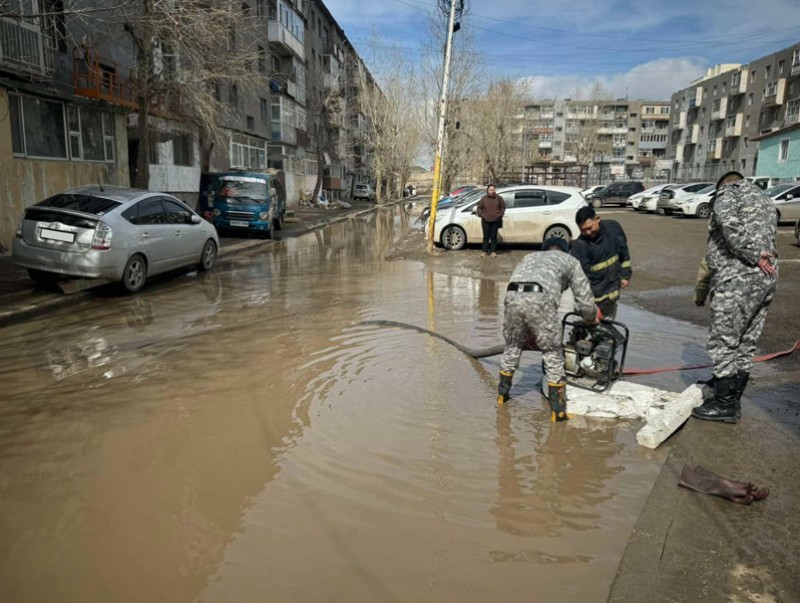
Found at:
[605, 259]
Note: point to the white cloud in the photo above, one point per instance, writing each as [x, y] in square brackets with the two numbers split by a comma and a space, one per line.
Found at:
[655, 80]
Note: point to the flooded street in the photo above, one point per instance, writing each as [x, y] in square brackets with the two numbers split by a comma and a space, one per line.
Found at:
[238, 436]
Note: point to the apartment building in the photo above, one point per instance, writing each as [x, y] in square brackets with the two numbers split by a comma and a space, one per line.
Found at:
[716, 118]
[71, 90]
[616, 138]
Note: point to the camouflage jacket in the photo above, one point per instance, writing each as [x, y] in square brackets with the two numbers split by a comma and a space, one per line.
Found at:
[557, 271]
[743, 223]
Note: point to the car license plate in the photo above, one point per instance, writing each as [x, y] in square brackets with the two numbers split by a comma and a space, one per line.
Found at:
[57, 235]
[241, 223]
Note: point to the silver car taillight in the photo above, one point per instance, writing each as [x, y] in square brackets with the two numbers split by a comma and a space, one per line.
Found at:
[102, 236]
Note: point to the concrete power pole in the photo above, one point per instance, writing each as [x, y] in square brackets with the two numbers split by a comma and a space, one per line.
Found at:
[437, 163]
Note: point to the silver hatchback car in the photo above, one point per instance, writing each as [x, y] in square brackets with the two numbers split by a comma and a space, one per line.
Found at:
[113, 233]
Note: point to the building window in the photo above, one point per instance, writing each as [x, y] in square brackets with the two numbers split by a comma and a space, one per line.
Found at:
[781, 65]
[783, 150]
[262, 59]
[171, 149]
[251, 122]
[39, 127]
[714, 90]
[264, 110]
[753, 76]
[767, 71]
[649, 110]
[91, 134]
[750, 100]
[664, 110]
[234, 95]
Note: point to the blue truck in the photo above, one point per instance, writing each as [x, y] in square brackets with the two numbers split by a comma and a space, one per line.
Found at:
[248, 201]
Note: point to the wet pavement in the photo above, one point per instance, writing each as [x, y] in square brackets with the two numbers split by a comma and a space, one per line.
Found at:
[238, 436]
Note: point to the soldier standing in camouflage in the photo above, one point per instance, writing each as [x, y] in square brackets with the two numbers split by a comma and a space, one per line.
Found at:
[742, 261]
[531, 310]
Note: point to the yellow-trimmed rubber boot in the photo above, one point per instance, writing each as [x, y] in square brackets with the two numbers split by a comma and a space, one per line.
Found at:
[557, 397]
[504, 387]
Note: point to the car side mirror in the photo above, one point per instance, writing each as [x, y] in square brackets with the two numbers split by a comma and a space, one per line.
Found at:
[195, 219]
[789, 196]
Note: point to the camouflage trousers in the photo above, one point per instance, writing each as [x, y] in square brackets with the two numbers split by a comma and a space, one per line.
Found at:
[528, 316]
[738, 312]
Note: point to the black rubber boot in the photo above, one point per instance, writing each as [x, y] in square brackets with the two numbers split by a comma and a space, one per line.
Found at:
[741, 383]
[723, 406]
[504, 387]
[557, 397]
[708, 394]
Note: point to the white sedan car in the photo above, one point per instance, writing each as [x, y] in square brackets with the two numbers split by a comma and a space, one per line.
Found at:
[636, 200]
[533, 214]
[696, 205]
[786, 198]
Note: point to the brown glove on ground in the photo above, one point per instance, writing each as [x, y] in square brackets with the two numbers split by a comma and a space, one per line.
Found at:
[704, 481]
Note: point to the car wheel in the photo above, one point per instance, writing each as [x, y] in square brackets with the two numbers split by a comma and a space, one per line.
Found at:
[661, 212]
[597, 202]
[42, 277]
[777, 211]
[135, 274]
[703, 210]
[561, 232]
[454, 238]
[208, 257]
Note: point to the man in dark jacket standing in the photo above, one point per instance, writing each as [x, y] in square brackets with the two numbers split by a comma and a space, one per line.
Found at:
[491, 209]
[602, 250]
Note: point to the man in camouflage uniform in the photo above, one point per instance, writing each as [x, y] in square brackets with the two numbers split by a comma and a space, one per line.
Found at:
[742, 260]
[531, 311]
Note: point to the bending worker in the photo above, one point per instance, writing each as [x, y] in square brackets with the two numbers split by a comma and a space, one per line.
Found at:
[531, 311]
[602, 250]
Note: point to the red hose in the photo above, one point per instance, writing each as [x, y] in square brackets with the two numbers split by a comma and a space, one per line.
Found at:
[763, 358]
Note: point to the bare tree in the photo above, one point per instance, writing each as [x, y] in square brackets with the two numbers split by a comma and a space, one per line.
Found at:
[495, 126]
[466, 74]
[387, 98]
[584, 138]
[184, 50]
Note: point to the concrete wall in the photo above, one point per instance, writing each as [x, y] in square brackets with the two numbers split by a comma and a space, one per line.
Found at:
[23, 182]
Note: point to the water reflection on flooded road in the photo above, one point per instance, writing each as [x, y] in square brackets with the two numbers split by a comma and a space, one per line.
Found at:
[237, 436]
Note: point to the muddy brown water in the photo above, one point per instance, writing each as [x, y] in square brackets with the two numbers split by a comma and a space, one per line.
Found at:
[237, 436]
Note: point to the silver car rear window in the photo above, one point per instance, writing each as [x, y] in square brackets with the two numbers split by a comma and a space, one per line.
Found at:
[86, 204]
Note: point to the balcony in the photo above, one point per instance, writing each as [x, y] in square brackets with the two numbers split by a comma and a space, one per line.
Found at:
[738, 84]
[24, 50]
[545, 144]
[775, 93]
[547, 115]
[734, 129]
[96, 78]
[281, 37]
[334, 50]
[283, 133]
[715, 150]
[613, 130]
[796, 67]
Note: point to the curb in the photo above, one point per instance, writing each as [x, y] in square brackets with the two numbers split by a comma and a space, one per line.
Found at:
[35, 309]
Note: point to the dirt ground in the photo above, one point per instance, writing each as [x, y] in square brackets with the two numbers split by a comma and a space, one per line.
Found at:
[665, 253]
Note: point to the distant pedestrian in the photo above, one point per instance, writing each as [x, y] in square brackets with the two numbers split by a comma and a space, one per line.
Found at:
[491, 209]
[602, 250]
[742, 260]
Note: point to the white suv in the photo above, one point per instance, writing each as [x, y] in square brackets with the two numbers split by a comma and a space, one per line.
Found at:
[363, 191]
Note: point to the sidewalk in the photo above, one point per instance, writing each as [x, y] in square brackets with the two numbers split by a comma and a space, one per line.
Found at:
[693, 547]
[20, 300]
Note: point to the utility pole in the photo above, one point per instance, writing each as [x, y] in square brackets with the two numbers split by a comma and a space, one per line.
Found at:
[437, 163]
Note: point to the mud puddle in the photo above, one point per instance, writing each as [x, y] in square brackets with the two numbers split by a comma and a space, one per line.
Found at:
[239, 437]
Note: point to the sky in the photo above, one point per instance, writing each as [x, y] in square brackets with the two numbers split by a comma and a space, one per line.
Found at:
[642, 50]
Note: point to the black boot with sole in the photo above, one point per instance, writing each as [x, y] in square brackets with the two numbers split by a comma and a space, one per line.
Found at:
[723, 406]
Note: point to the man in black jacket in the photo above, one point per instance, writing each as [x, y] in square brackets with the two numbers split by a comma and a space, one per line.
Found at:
[602, 250]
